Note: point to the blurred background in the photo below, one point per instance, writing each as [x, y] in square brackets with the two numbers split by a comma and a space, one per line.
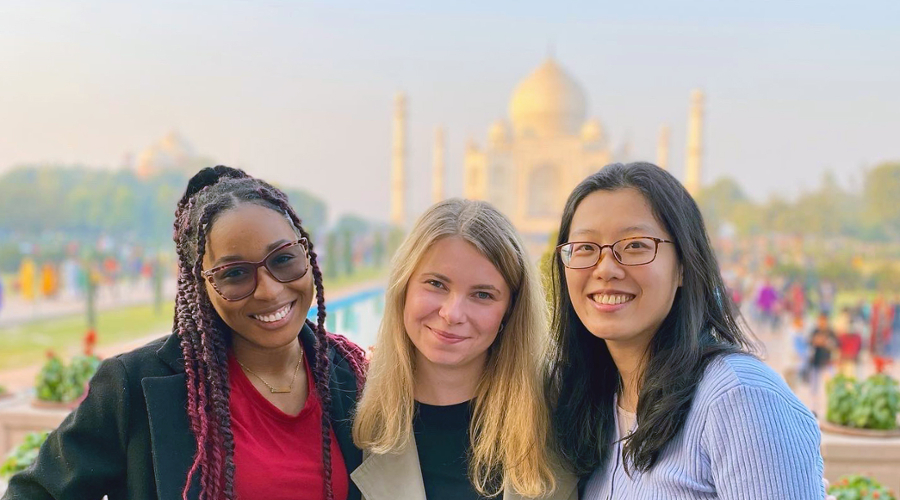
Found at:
[782, 120]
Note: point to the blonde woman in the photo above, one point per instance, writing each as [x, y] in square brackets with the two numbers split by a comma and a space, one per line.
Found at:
[453, 407]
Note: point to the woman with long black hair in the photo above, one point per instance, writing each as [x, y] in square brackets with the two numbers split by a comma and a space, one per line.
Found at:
[655, 393]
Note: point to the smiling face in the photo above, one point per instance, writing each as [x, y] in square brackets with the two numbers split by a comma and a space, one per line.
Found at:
[455, 303]
[274, 313]
[624, 305]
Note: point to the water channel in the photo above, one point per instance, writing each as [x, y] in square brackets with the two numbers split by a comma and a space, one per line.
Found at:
[355, 316]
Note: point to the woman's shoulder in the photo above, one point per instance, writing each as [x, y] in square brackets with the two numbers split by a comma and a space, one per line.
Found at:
[740, 372]
[157, 358]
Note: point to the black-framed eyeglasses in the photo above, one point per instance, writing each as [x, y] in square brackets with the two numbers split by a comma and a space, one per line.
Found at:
[635, 251]
[238, 280]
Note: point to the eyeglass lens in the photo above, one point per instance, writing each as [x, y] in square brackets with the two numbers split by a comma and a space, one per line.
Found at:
[630, 252]
[238, 281]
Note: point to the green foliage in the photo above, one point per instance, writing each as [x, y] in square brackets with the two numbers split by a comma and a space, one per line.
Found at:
[59, 383]
[330, 264]
[882, 190]
[379, 249]
[858, 487]
[545, 267]
[50, 384]
[826, 211]
[873, 404]
[347, 251]
[878, 403]
[23, 455]
[839, 272]
[886, 277]
[312, 210]
[395, 239]
[719, 201]
[82, 368]
[842, 394]
[80, 203]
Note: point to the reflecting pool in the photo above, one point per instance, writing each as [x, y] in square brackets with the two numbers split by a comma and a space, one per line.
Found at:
[355, 316]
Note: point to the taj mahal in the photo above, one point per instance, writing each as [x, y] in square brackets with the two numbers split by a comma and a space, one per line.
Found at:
[531, 161]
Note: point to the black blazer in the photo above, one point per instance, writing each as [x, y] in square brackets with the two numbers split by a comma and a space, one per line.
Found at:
[130, 438]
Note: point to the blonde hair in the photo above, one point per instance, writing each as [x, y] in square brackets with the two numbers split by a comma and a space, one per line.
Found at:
[510, 422]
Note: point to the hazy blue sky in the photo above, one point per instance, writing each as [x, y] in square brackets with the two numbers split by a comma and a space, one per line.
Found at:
[301, 93]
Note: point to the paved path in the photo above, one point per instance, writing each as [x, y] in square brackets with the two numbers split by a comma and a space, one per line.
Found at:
[16, 310]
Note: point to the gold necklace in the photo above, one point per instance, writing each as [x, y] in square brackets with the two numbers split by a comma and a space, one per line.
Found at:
[277, 390]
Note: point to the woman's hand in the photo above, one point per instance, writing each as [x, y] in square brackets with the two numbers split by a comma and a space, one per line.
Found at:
[827, 496]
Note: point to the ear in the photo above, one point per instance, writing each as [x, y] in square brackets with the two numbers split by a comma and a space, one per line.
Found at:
[680, 275]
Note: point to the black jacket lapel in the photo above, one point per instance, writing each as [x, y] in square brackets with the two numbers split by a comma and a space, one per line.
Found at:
[170, 437]
[171, 440]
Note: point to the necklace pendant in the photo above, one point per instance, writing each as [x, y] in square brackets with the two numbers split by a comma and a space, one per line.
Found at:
[279, 390]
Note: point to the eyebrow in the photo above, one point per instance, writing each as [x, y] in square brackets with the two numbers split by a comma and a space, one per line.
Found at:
[476, 287]
[227, 259]
[630, 229]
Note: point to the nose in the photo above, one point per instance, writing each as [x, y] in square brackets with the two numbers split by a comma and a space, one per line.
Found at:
[267, 287]
[452, 310]
[608, 268]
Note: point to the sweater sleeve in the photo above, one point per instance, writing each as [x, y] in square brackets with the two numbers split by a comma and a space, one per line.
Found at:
[85, 456]
[762, 445]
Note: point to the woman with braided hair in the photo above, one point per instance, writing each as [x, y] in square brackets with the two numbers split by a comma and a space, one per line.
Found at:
[246, 399]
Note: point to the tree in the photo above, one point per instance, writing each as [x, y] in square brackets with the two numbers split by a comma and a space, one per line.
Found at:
[347, 251]
[725, 202]
[330, 263]
[882, 197]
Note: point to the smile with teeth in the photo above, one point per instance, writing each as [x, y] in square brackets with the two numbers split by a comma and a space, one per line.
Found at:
[274, 316]
[611, 299]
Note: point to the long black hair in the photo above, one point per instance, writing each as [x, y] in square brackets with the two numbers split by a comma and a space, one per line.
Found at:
[701, 325]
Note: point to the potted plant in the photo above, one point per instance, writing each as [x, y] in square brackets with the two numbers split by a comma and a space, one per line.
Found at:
[859, 487]
[863, 408]
[61, 386]
[22, 456]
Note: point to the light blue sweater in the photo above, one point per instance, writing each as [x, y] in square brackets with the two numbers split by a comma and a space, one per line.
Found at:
[746, 437]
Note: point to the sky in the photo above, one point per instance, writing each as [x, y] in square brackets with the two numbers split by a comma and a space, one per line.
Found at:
[301, 93]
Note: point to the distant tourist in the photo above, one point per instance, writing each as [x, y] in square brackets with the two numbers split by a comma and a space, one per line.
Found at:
[823, 342]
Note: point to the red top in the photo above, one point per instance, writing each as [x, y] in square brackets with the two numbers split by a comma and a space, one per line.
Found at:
[278, 456]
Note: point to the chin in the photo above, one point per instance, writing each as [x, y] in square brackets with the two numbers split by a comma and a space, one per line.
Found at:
[609, 332]
[443, 358]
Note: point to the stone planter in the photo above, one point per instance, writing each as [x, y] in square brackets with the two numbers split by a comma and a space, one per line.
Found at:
[18, 417]
[848, 450]
[53, 405]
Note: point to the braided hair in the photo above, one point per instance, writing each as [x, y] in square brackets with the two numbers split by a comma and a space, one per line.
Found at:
[205, 338]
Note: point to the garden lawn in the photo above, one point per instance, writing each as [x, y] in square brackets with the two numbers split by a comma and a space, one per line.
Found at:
[26, 344]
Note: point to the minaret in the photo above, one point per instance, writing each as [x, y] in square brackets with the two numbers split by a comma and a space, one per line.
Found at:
[437, 183]
[662, 148]
[398, 162]
[692, 163]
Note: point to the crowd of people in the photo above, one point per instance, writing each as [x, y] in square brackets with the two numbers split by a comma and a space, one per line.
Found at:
[825, 336]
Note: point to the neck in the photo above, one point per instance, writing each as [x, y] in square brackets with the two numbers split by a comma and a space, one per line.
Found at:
[629, 360]
[442, 385]
[263, 360]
